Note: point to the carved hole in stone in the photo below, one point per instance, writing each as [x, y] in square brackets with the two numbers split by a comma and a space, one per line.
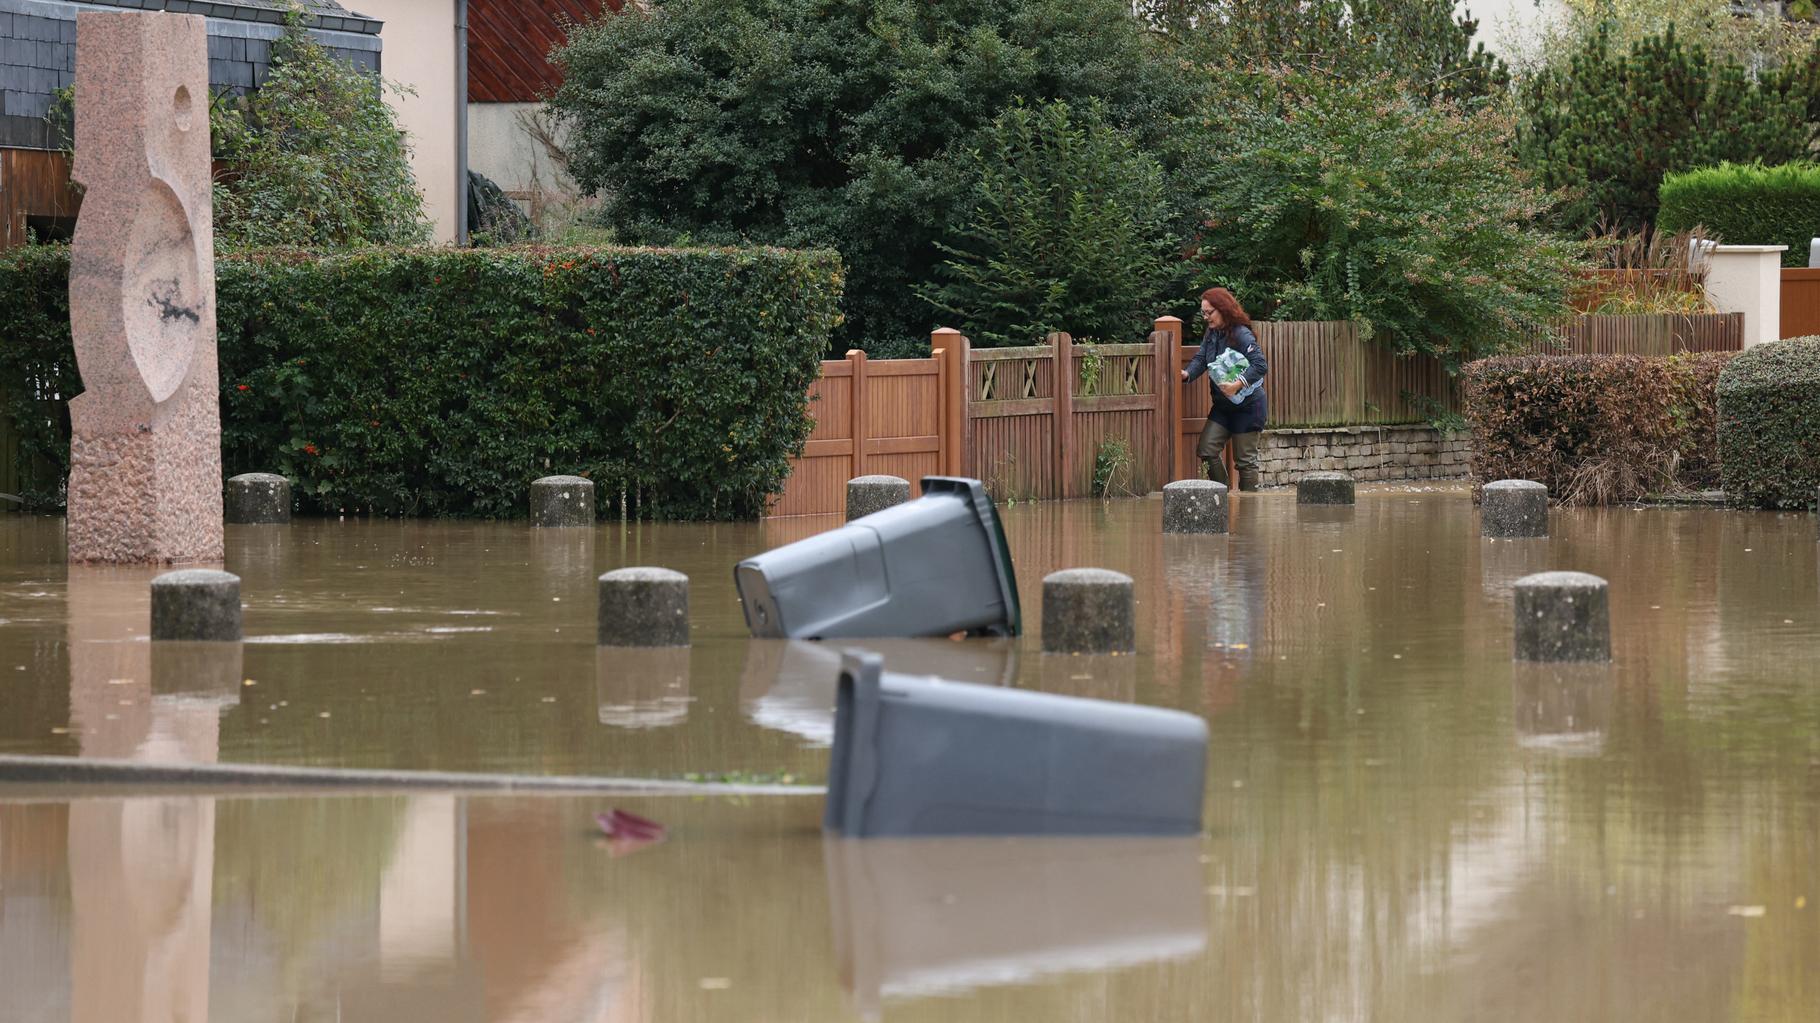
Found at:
[180, 107]
[162, 301]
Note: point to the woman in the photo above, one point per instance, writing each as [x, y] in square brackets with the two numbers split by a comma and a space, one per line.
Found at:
[1229, 328]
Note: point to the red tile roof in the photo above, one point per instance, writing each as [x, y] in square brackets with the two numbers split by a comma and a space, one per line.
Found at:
[509, 42]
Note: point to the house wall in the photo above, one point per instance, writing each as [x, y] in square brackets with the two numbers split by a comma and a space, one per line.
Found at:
[419, 39]
[500, 148]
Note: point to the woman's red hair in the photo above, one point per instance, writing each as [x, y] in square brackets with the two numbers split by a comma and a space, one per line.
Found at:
[1229, 308]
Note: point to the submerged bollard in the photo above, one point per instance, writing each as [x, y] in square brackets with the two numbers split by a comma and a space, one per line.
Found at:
[1562, 616]
[257, 497]
[562, 501]
[868, 494]
[1514, 508]
[196, 603]
[644, 607]
[1194, 506]
[1324, 488]
[1088, 611]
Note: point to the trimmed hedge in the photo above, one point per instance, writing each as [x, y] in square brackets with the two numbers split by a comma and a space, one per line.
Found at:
[1747, 204]
[1596, 429]
[443, 381]
[1769, 424]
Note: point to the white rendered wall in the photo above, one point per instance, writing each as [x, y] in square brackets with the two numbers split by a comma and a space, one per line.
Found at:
[1748, 279]
[500, 148]
[419, 51]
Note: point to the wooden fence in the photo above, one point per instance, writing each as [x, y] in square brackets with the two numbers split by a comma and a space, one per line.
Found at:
[1800, 302]
[1653, 334]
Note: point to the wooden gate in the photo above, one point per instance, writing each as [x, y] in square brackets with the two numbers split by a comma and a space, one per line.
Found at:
[1800, 302]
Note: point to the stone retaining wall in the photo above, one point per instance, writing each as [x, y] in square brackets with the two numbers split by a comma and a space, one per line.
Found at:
[1367, 452]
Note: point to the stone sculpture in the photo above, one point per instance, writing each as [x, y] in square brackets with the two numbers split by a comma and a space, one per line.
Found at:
[145, 443]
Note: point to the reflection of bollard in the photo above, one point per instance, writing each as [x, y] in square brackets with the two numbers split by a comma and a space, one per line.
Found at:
[1502, 564]
[641, 688]
[1088, 611]
[1514, 508]
[1324, 488]
[1194, 506]
[1090, 676]
[644, 607]
[1562, 616]
[920, 917]
[257, 497]
[868, 494]
[931, 757]
[562, 501]
[1561, 708]
[196, 603]
[197, 672]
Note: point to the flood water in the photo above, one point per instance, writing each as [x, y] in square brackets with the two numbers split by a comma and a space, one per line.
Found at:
[1400, 823]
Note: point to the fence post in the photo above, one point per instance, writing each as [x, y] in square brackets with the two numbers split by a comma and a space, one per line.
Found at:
[858, 410]
[951, 347]
[1168, 340]
[1062, 349]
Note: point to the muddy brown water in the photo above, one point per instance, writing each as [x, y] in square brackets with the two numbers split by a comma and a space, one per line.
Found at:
[1400, 824]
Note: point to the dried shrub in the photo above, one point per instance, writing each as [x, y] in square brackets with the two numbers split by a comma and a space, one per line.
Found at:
[1596, 429]
[1769, 401]
[1647, 272]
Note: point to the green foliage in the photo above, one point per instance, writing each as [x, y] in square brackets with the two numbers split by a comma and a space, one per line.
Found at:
[1423, 44]
[314, 157]
[1596, 429]
[1607, 124]
[1068, 231]
[1112, 468]
[1747, 205]
[1362, 204]
[443, 381]
[1769, 401]
[834, 122]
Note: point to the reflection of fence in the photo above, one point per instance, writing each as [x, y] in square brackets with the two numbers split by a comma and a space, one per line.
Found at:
[1650, 334]
[1800, 302]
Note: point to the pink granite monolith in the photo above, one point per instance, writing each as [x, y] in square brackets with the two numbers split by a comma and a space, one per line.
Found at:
[145, 444]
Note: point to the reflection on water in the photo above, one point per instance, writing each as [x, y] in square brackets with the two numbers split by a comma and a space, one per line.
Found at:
[1401, 823]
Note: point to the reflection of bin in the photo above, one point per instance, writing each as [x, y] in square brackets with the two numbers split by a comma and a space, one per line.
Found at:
[929, 757]
[929, 567]
[788, 685]
[945, 916]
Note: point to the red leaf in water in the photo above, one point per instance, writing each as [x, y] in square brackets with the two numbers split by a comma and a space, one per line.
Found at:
[628, 832]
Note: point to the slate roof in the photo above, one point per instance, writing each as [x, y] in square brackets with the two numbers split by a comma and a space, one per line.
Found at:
[326, 14]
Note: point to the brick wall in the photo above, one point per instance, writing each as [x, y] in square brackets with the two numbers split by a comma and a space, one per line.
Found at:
[1367, 452]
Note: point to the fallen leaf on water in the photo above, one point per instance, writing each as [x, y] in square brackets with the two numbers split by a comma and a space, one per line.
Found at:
[1751, 912]
[715, 983]
[628, 832]
[1800, 902]
[119, 681]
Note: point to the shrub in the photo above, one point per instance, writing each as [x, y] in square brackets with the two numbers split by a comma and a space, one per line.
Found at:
[1357, 203]
[1608, 123]
[1747, 205]
[443, 381]
[1596, 429]
[314, 156]
[1067, 232]
[1769, 401]
[804, 122]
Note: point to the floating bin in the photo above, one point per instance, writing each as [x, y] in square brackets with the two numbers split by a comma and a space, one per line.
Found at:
[930, 757]
[929, 567]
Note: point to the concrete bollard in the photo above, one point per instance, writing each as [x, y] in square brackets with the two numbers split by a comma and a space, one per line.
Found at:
[562, 501]
[1514, 508]
[257, 497]
[1088, 611]
[868, 494]
[644, 607]
[196, 604]
[1194, 506]
[1562, 616]
[1324, 488]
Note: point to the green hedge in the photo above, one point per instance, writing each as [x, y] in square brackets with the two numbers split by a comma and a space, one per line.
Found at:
[1744, 204]
[1596, 429]
[1769, 424]
[443, 381]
